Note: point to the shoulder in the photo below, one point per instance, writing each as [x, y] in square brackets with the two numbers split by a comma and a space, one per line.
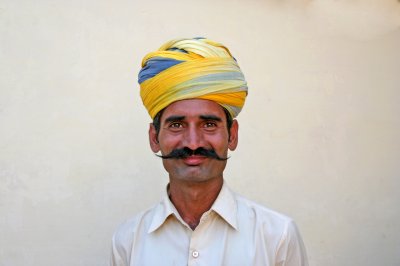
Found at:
[131, 225]
[276, 228]
[268, 222]
[125, 233]
[259, 212]
[124, 236]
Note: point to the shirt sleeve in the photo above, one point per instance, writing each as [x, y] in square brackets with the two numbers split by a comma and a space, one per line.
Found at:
[291, 250]
[118, 253]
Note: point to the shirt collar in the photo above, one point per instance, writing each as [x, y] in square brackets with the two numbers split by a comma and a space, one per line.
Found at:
[162, 211]
[225, 206]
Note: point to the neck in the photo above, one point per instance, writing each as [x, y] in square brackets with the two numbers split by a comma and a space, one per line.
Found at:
[193, 199]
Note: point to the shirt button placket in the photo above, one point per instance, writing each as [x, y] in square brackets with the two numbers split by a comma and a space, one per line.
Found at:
[195, 243]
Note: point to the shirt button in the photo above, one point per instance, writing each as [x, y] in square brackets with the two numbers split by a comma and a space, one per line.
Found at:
[195, 254]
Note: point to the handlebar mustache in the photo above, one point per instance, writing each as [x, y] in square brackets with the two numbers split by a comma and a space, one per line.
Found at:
[185, 152]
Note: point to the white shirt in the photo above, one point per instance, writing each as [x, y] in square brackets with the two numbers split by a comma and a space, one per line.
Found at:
[235, 231]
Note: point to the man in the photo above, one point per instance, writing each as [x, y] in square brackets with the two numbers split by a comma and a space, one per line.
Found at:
[193, 89]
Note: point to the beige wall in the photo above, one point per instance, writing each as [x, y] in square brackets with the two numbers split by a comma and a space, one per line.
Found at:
[319, 135]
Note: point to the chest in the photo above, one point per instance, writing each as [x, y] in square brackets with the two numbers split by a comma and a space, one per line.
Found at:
[214, 242]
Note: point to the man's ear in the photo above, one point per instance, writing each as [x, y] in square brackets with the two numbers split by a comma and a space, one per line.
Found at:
[153, 138]
[233, 138]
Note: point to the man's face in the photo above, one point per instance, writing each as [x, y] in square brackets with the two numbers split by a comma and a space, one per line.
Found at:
[194, 124]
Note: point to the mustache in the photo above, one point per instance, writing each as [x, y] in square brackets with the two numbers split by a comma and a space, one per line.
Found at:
[185, 152]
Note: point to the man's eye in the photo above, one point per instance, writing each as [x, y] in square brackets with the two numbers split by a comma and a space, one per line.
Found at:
[210, 124]
[175, 125]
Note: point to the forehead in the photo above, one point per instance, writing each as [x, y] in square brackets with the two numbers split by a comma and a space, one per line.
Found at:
[193, 108]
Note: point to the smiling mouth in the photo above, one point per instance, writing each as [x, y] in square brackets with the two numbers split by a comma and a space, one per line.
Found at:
[194, 160]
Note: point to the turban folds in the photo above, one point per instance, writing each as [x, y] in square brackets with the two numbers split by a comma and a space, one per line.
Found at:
[191, 69]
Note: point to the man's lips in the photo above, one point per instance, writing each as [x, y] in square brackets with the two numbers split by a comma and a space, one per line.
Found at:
[194, 160]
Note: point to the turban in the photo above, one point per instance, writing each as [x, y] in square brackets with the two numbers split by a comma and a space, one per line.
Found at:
[195, 68]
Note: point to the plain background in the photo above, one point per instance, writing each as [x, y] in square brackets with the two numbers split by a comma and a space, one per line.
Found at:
[319, 134]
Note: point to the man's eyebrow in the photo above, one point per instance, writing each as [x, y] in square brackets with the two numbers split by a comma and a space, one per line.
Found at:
[211, 117]
[174, 118]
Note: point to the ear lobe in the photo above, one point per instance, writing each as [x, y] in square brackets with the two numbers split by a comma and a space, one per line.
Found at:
[234, 138]
[153, 139]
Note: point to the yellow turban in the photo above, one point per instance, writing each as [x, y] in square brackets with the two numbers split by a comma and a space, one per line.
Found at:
[191, 69]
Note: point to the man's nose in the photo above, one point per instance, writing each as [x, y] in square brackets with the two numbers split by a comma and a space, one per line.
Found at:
[193, 138]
